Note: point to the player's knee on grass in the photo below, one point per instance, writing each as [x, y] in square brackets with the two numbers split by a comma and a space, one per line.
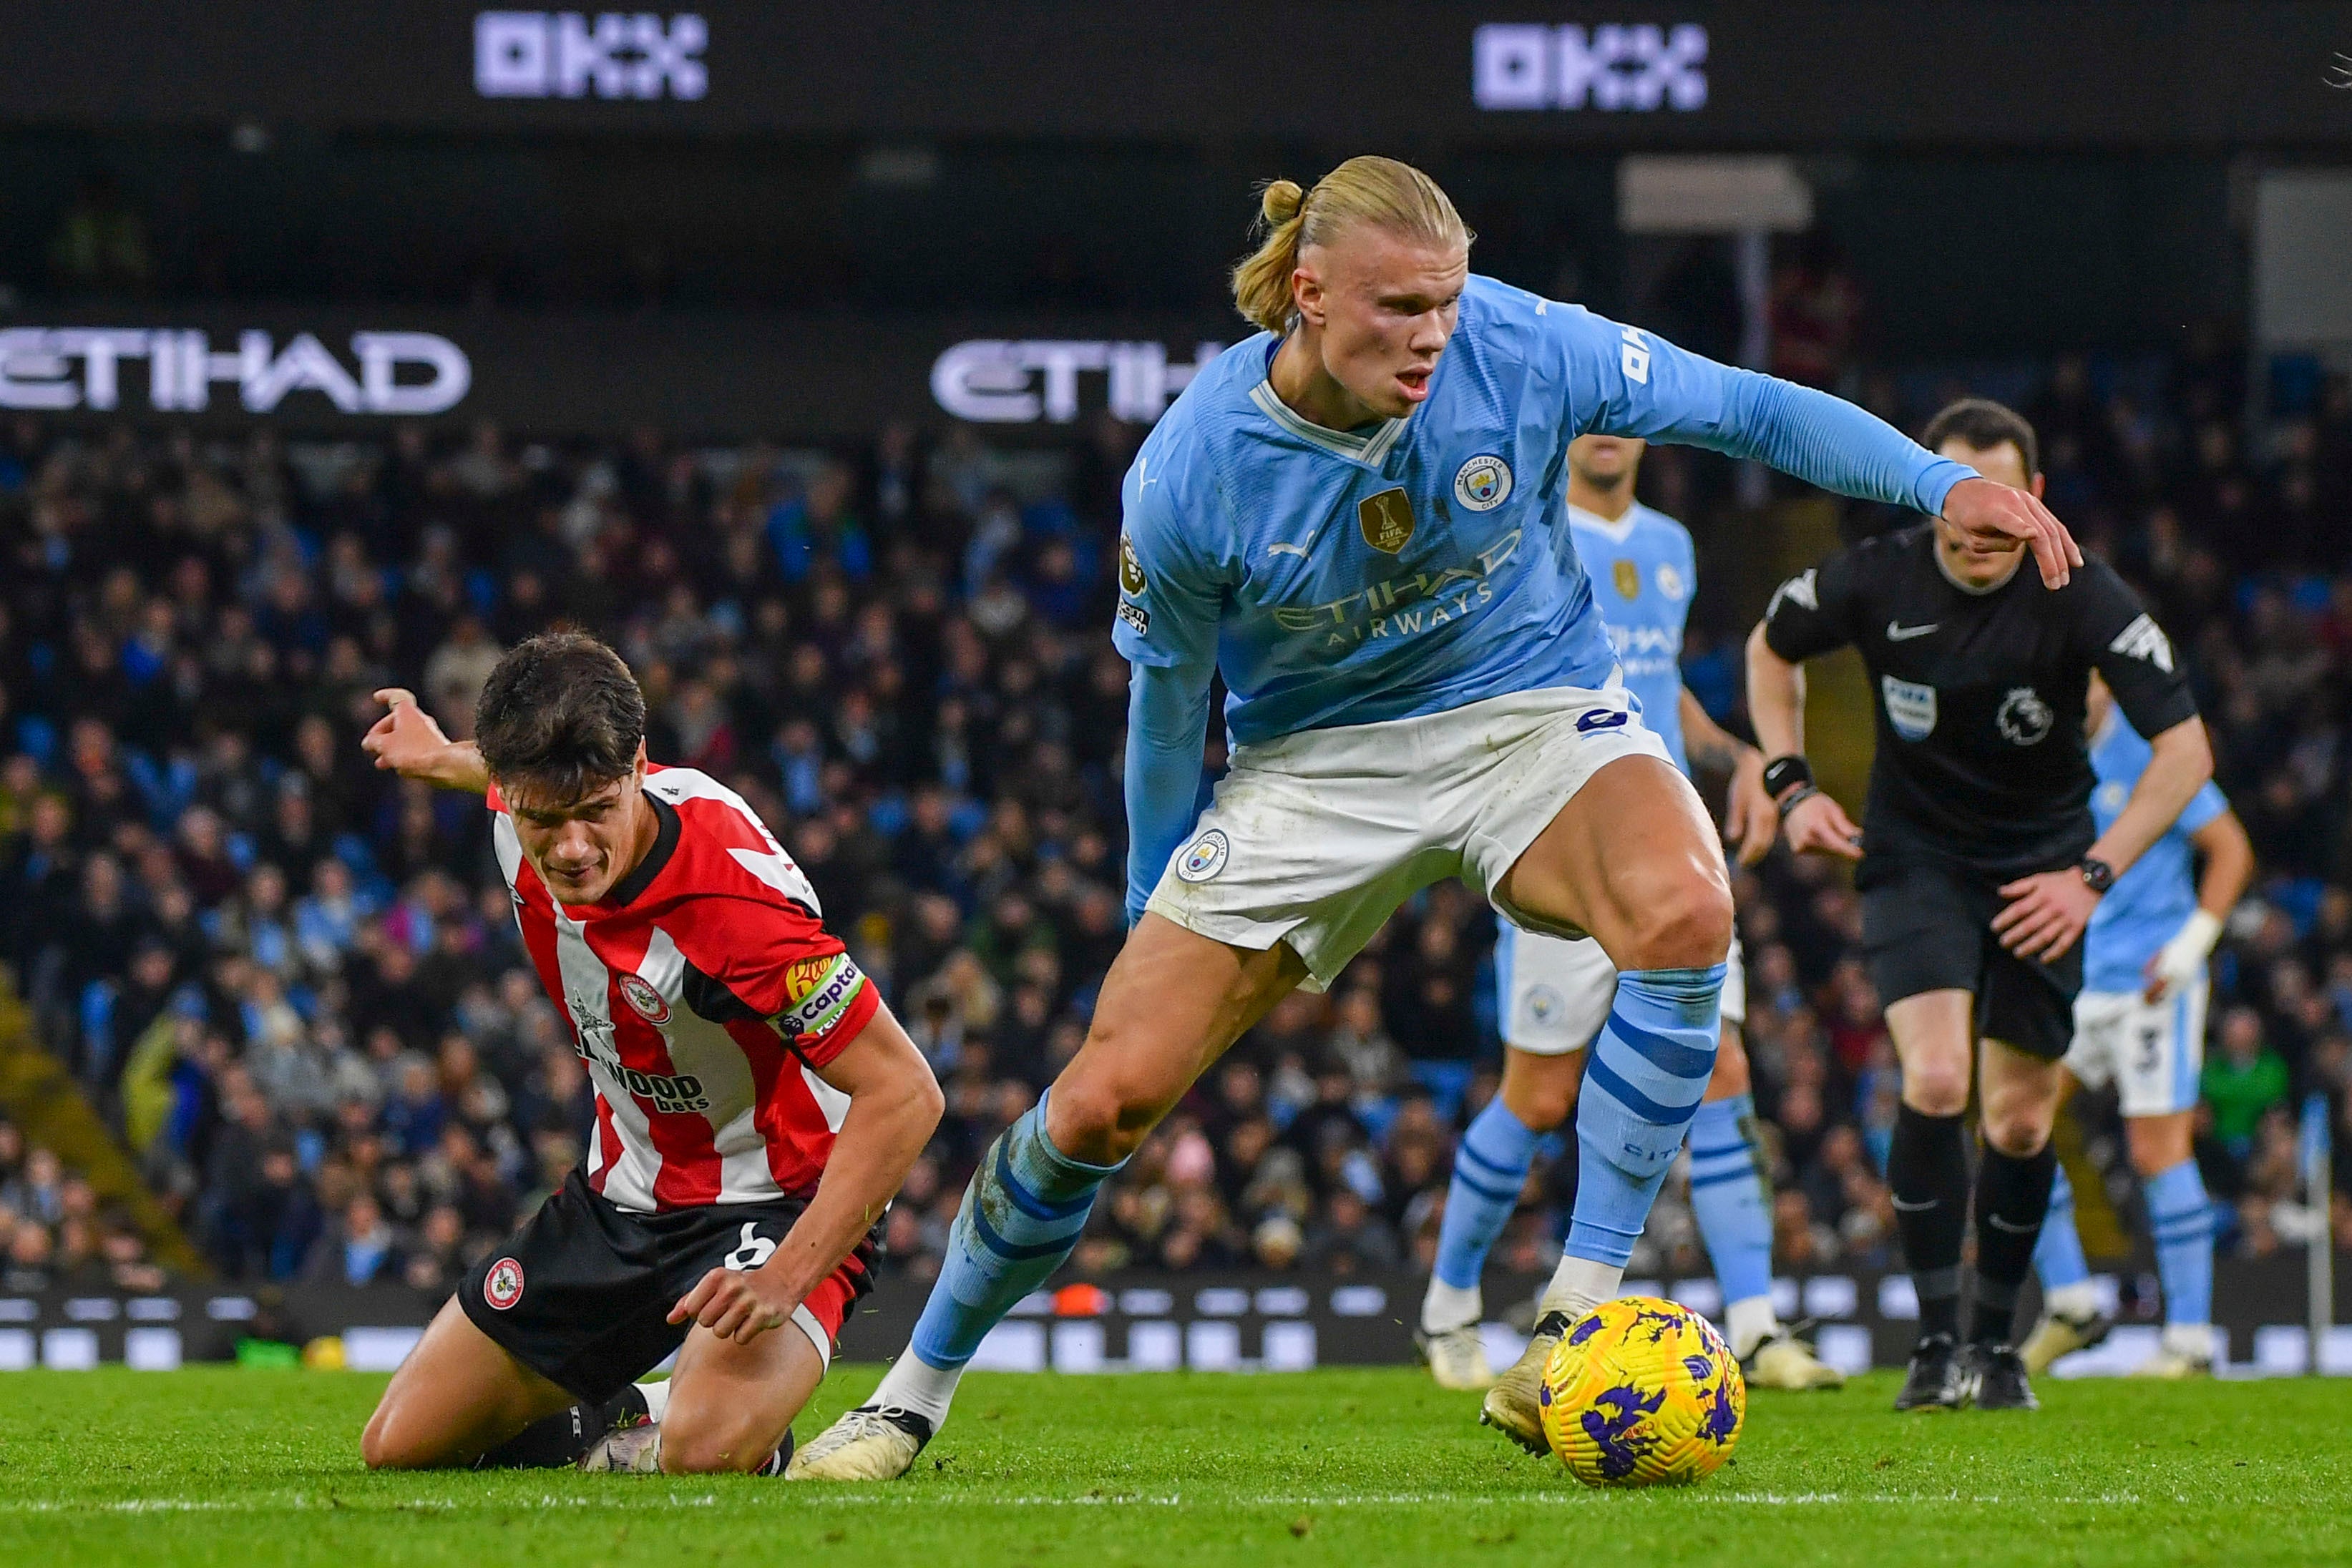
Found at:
[714, 1444]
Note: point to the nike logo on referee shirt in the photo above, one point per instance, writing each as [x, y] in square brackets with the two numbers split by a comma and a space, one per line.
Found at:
[1898, 633]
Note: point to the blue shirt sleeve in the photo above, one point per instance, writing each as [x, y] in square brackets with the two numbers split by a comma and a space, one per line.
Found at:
[1627, 382]
[1169, 601]
[2208, 803]
[1167, 718]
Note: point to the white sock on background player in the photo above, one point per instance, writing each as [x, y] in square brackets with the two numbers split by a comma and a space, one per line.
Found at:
[913, 1383]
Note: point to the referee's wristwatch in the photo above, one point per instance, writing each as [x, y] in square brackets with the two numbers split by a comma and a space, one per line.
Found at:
[2097, 874]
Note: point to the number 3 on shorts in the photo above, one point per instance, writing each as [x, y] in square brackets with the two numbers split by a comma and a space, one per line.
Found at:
[751, 1251]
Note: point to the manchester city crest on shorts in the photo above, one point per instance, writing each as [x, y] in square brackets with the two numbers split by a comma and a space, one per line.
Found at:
[1206, 857]
[1910, 706]
[1483, 484]
[2025, 718]
[1386, 520]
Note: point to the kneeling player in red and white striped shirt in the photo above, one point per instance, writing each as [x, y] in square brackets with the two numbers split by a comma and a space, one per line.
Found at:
[757, 1105]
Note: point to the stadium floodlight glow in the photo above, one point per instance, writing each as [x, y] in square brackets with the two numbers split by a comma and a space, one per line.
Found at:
[1615, 67]
[37, 370]
[563, 54]
[1020, 382]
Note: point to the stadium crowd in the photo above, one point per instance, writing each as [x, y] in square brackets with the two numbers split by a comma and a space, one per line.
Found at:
[294, 984]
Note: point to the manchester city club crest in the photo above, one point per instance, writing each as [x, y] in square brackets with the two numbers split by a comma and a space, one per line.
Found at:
[1206, 858]
[1483, 484]
[1386, 520]
[1628, 579]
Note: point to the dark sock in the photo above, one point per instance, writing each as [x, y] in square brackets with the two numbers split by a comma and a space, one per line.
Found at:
[2012, 1197]
[1927, 1174]
[560, 1439]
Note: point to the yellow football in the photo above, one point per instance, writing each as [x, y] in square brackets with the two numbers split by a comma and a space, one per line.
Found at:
[1642, 1391]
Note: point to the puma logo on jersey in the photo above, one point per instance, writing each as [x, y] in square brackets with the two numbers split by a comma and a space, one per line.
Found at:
[2144, 639]
[1898, 633]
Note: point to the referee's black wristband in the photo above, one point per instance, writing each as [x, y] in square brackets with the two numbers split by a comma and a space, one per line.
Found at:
[1797, 799]
[1783, 771]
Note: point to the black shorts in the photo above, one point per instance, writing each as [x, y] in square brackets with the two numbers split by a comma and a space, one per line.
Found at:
[581, 1293]
[1928, 927]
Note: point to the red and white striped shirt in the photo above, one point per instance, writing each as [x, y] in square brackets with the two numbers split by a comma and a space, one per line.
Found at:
[703, 993]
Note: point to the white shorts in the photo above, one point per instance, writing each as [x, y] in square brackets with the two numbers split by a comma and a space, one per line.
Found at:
[2152, 1051]
[1316, 838]
[1554, 995]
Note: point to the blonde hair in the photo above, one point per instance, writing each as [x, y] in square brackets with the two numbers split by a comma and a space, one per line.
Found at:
[1395, 197]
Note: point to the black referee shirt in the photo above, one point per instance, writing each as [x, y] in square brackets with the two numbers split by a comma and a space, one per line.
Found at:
[1978, 696]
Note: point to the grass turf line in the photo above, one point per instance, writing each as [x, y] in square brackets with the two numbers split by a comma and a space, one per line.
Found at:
[1352, 1468]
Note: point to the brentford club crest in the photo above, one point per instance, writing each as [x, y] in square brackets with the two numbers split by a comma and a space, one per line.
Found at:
[642, 997]
[502, 1287]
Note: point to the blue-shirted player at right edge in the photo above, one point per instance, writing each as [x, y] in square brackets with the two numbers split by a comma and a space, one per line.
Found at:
[2140, 1022]
[1357, 518]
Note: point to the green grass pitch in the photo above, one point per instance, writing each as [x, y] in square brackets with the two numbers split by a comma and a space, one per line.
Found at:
[1335, 1467]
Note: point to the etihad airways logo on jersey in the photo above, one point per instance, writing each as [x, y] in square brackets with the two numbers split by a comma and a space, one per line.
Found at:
[1438, 596]
[1644, 650]
[2144, 639]
[54, 368]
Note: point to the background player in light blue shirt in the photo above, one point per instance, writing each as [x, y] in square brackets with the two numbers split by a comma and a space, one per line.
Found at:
[1555, 995]
[2140, 1023]
[1354, 517]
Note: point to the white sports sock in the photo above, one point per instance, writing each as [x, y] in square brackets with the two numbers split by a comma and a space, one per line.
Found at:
[1450, 1306]
[1751, 1322]
[656, 1399]
[2193, 1340]
[1580, 1284]
[2075, 1301]
[913, 1383]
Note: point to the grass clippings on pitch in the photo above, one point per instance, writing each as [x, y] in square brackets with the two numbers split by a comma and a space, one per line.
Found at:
[1350, 1468]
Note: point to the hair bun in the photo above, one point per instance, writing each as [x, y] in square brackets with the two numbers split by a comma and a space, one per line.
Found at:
[1281, 200]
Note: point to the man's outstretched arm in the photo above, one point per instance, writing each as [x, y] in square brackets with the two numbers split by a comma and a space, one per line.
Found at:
[408, 742]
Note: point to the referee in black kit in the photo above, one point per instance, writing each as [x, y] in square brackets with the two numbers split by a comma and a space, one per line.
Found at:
[1979, 865]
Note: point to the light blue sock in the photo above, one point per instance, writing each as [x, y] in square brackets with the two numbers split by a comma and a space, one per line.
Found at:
[1642, 1080]
[1489, 1170]
[2058, 1256]
[1021, 1215]
[1727, 1194]
[2182, 1217]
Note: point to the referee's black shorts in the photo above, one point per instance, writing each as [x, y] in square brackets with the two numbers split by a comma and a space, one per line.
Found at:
[581, 1293]
[1927, 925]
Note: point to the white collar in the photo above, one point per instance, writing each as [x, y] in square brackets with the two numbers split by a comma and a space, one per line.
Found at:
[1370, 450]
[1617, 532]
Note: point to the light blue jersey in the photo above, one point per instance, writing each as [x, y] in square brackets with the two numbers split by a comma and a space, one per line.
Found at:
[1644, 572]
[2149, 902]
[1422, 563]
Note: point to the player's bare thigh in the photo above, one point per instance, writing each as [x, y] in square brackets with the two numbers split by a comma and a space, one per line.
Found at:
[1540, 1090]
[730, 1404]
[1171, 1003]
[458, 1396]
[1632, 860]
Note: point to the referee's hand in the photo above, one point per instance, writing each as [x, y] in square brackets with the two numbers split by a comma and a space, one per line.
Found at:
[1819, 824]
[1990, 513]
[2046, 914]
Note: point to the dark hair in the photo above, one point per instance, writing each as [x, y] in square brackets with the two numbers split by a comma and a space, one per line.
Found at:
[1984, 424]
[560, 714]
